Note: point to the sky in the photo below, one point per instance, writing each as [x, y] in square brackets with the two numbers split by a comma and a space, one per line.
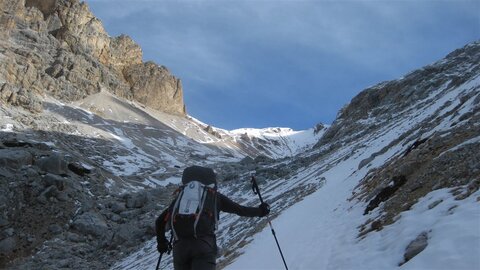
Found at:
[287, 63]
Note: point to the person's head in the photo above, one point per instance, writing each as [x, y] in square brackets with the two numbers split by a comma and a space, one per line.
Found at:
[201, 174]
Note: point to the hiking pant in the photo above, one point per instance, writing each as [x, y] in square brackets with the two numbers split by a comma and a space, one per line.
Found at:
[195, 253]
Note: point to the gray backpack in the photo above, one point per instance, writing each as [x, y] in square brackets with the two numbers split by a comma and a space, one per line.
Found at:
[194, 210]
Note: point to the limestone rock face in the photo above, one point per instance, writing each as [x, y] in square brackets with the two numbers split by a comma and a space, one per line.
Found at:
[153, 86]
[59, 48]
[47, 7]
[124, 52]
[85, 33]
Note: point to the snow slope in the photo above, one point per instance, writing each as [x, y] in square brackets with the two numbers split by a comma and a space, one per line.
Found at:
[142, 147]
[135, 147]
[281, 142]
[322, 231]
[319, 232]
[271, 142]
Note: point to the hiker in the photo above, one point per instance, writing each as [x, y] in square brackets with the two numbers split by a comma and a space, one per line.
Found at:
[192, 217]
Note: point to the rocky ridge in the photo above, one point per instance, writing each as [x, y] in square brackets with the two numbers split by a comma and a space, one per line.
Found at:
[446, 100]
[59, 48]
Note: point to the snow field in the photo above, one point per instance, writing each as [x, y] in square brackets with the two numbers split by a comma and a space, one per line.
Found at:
[321, 232]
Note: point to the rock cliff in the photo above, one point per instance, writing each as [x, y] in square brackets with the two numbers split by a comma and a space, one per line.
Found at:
[59, 48]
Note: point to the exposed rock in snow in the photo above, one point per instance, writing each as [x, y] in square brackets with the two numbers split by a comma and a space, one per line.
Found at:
[416, 246]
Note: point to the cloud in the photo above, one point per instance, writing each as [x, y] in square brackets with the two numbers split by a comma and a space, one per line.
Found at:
[308, 55]
[207, 38]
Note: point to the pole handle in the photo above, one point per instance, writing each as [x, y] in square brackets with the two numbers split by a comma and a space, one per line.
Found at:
[256, 189]
[168, 251]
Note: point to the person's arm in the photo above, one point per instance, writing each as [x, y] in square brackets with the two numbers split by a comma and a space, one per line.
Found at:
[160, 224]
[229, 206]
[162, 243]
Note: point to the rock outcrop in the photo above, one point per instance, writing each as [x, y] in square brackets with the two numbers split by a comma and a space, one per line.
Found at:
[153, 86]
[59, 48]
[416, 246]
[376, 105]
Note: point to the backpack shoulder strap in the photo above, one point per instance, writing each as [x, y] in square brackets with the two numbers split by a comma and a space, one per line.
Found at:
[174, 209]
[200, 210]
[215, 208]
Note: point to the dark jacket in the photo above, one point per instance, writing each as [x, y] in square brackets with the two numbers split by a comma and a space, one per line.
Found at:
[199, 252]
[223, 204]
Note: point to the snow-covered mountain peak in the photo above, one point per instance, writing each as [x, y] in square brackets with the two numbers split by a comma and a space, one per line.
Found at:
[294, 141]
[270, 131]
[272, 142]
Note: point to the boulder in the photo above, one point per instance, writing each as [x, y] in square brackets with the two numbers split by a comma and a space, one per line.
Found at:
[56, 180]
[149, 229]
[9, 231]
[117, 207]
[78, 169]
[74, 237]
[416, 246]
[55, 229]
[55, 164]
[136, 200]
[62, 196]
[127, 236]
[15, 143]
[130, 214]
[48, 193]
[115, 218]
[15, 158]
[8, 245]
[91, 223]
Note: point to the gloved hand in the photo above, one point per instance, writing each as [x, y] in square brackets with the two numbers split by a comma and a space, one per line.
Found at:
[264, 209]
[163, 245]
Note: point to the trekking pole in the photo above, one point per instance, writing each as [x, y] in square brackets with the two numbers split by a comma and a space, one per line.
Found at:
[159, 260]
[256, 190]
[168, 252]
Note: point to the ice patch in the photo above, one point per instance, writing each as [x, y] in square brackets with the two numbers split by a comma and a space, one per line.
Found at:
[153, 182]
[7, 128]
